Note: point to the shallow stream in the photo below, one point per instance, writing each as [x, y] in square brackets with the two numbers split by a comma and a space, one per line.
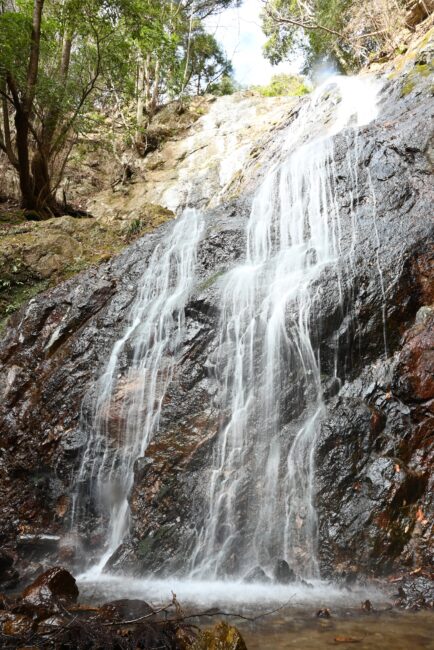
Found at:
[282, 617]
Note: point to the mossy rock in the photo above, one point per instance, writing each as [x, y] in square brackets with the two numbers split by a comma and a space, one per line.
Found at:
[420, 70]
[221, 637]
[35, 256]
[147, 545]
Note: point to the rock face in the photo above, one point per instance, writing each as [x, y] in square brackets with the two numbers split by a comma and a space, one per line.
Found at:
[201, 166]
[37, 255]
[374, 491]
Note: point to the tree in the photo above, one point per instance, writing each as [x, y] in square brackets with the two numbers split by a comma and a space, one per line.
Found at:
[313, 26]
[204, 62]
[284, 85]
[348, 31]
[51, 56]
[59, 59]
[225, 86]
[174, 55]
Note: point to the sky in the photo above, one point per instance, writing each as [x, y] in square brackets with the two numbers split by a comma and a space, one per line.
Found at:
[239, 31]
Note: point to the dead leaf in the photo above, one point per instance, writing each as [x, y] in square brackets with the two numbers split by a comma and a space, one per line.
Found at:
[347, 639]
[418, 570]
[420, 517]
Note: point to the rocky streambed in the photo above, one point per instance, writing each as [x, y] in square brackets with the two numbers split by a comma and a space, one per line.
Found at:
[54, 611]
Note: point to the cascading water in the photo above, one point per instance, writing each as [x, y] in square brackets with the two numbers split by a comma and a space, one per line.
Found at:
[260, 499]
[129, 394]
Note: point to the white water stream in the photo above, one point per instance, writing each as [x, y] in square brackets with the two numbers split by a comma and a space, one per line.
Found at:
[128, 401]
[261, 492]
[259, 504]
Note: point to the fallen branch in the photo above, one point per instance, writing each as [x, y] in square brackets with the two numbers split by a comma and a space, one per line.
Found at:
[213, 612]
[142, 618]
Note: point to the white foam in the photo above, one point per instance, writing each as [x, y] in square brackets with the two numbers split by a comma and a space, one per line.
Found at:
[223, 594]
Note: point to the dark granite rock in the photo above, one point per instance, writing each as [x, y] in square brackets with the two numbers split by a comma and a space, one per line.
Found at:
[257, 574]
[283, 573]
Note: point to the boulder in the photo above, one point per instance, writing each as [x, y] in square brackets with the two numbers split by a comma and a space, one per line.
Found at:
[257, 574]
[125, 610]
[283, 573]
[221, 637]
[55, 586]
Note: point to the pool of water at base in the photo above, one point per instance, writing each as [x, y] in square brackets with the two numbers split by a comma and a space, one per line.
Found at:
[285, 617]
[378, 630]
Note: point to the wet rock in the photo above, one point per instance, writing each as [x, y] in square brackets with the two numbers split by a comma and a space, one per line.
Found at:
[50, 624]
[73, 442]
[306, 584]
[125, 610]
[283, 573]
[6, 561]
[40, 542]
[257, 574]
[324, 612]
[54, 586]
[374, 480]
[424, 314]
[378, 411]
[221, 637]
[413, 590]
[9, 575]
[17, 625]
[367, 606]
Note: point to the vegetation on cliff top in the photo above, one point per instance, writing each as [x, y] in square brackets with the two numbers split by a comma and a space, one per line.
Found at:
[344, 33]
[37, 255]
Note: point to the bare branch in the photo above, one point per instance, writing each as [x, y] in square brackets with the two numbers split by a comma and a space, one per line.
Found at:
[284, 20]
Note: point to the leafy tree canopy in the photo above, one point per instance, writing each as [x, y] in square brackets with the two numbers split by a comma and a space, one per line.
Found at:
[347, 31]
[62, 59]
[284, 85]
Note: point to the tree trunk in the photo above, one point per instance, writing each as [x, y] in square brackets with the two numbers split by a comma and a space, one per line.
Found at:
[32, 71]
[155, 92]
[140, 100]
[22, 143]
[44, 201]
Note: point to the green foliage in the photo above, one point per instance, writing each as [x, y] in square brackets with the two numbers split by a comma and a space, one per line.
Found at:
[284, 85]
[343, 32]
[88, 56]
[15, 30]
[226, 86]
[134, 228]
[324, 20]
[204, 62]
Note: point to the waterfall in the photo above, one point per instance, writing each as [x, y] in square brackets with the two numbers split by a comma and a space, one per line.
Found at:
[260, 499]
[259, 495]
[129, 394]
